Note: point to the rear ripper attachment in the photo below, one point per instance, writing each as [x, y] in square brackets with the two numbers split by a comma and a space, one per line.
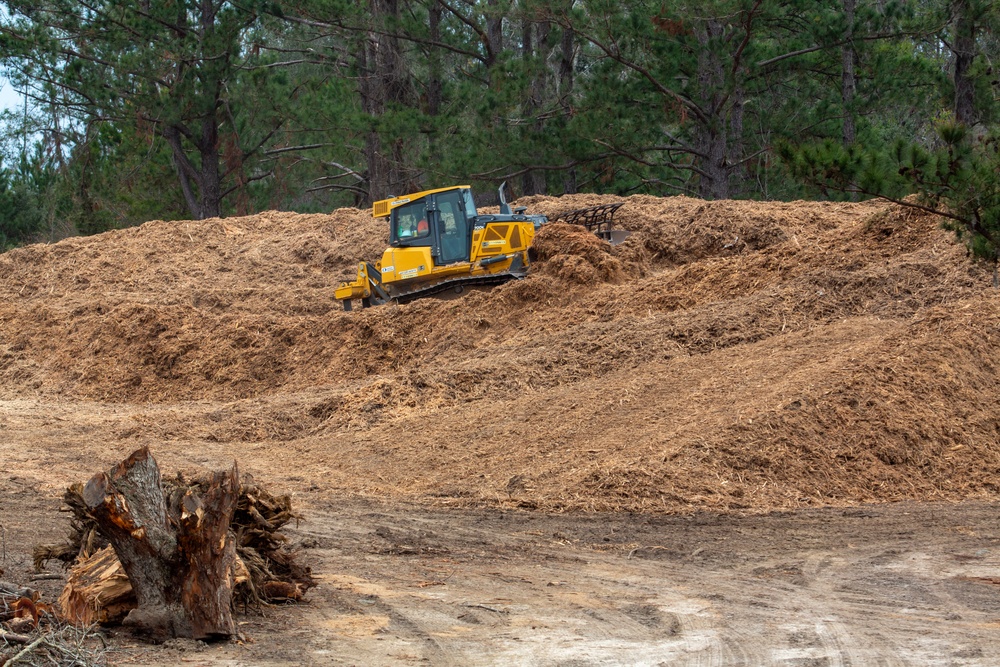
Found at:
[438, 241]
[598, 219]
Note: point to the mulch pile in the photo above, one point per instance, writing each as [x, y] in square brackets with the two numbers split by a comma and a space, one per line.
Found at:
[730, 355]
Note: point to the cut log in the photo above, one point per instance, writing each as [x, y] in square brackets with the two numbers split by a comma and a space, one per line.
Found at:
[13, 638]
[97, 591]
[21, 624]
[178, 552]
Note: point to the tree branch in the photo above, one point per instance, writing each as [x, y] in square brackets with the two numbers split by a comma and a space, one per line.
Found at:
[832, 45]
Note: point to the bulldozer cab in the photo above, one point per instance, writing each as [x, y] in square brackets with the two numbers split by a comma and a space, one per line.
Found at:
[439, 219]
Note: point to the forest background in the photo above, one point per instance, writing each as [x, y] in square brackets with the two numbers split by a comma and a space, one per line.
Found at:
[133, 110]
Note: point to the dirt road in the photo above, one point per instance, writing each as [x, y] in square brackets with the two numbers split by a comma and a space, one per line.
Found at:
[895, 585]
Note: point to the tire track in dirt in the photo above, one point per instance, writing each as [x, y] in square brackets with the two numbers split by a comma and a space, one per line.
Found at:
[404, 585]
[603, 608]
[893, 585]
[809, 612]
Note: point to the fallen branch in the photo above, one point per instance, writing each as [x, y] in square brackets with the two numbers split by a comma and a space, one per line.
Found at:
[25, 651]
[14, 638]
[482, 606]
[60, 645]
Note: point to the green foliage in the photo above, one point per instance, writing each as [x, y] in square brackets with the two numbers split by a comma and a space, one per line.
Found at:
[21, 214]
[30, 201]
[916, 146]
[957, 178]
[312, 104]
[171, 76]
[960, 178]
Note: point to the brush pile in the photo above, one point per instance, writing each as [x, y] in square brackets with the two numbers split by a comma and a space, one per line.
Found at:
[20, 611]
[31, 634]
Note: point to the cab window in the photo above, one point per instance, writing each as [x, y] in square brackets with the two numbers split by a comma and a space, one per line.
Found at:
[410, 226]
[454, 227]
[470, 206]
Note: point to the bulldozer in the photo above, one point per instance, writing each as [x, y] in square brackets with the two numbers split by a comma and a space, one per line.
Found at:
[439, 242]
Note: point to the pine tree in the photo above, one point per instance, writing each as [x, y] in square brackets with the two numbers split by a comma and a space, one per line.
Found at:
[172, 69]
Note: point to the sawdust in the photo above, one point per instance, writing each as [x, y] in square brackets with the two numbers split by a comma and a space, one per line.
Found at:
[736, 355]
[572, 254]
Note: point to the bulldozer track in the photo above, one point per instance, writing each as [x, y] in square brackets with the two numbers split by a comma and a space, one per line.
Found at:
[477, 281]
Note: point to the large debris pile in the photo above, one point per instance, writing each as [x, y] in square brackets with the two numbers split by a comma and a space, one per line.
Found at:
[740, 355]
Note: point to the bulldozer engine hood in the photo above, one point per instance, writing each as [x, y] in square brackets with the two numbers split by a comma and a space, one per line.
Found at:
[480, 221]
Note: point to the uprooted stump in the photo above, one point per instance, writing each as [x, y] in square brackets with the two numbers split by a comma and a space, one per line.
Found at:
[189, 548]
[177, 551]
[84, 539]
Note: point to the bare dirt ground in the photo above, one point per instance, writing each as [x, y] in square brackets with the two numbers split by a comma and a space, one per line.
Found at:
[898, 584]
[754, 434]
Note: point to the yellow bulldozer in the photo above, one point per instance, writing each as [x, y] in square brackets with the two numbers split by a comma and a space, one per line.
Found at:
[439, 242]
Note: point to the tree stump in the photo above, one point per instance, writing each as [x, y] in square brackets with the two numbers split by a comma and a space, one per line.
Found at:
[177, 551]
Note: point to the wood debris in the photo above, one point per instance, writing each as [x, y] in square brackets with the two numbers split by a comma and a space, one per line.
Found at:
[99, 589]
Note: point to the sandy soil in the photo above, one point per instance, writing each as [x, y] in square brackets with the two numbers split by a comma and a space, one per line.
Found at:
[754, 434]
[400, 584]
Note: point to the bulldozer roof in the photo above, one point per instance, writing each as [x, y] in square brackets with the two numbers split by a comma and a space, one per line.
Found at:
[383, 208]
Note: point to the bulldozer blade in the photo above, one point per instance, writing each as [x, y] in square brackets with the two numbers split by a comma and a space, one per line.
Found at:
[618, 235]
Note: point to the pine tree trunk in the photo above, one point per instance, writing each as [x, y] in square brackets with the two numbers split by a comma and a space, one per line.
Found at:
[211, 183]
[848, 83]
[435, 86]
[964, 47]
[567, 65]
[200, 183]
[534, 46]
[202, 186]
[178, 552]
[494, 32]
[734, 166]
[712, 137]
[715, 174]
[382, 81]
